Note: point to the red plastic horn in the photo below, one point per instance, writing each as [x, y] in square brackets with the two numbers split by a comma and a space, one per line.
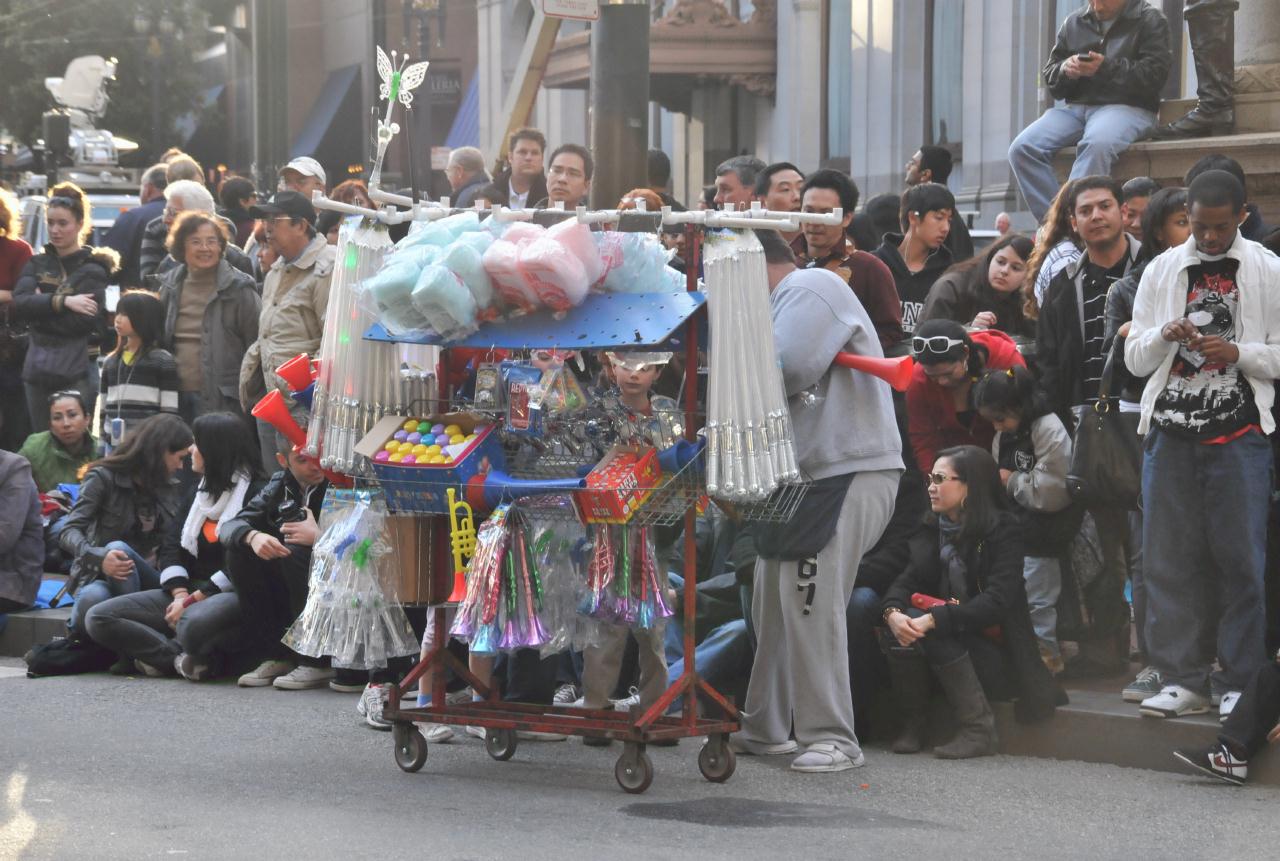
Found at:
[895, 372]
[272, 410]
[297, 372]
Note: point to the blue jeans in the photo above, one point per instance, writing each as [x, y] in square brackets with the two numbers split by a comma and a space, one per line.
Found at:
[1043, 576]
[1099, 133]
[866, 662]
[723, 657]
[1204, 541]
[91, 594]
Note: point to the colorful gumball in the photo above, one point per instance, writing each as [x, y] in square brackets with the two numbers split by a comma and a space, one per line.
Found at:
[400, 436]
[409, 426]
[423, 428]
[391, 445]
[442, 439]
[404, 448]
[452, 429]
[396, 458]
[408, 460]
[414, 438]
[382, 456]
[436, 458]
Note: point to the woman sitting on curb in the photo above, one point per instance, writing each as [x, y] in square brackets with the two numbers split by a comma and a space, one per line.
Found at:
[58, 454]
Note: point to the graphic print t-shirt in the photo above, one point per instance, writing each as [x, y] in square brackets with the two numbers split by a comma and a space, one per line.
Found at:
[1205, 399]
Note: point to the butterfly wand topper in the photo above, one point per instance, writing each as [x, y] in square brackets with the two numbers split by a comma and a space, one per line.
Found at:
[398, 83]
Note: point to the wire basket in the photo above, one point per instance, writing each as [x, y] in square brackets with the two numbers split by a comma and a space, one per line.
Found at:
[779, 507]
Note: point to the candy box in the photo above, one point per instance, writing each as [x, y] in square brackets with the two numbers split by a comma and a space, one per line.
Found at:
[619, 484]
[420, 487]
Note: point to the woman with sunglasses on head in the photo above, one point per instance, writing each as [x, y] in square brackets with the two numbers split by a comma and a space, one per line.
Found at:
[126, 502]
[949, 361]
[960, 615]
[58, 454]
[61, 295]
[184, 625]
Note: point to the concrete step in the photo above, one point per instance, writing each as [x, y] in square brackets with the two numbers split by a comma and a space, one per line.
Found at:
[1255, 112]
[1098, 726]
[25, 630]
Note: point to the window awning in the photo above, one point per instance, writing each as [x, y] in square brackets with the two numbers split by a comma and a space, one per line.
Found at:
[332, 132]
[465, 130]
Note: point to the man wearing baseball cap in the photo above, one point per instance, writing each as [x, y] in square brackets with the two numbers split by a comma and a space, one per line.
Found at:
[303, 175]
[294, 297]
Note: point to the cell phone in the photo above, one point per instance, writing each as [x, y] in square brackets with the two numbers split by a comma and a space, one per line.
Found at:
[1083, 55]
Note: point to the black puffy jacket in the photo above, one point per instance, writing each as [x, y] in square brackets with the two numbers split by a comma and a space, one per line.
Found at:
[39, 299]
[1137, 58]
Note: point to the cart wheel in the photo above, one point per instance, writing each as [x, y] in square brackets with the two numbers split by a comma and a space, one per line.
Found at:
[634, 770]
[500, 744]
[411, 748]
[717, 760]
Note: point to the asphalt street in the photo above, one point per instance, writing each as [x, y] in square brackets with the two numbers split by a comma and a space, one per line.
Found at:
[98, 767]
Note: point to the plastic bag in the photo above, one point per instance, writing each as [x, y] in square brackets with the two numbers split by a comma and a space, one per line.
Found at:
[554, 273]
[634, 262]
[460, 223]
[389, 294]
[446, 303]
[578, 240]
[523, 231]
[426, 233]
[502, 263]
[467, 262]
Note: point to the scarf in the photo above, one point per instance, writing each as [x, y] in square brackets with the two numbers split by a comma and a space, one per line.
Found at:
[952, 562]
[205, 507]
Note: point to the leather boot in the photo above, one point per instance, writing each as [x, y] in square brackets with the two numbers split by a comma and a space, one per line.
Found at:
[976, 724]
[1213, 49]
[910, 680]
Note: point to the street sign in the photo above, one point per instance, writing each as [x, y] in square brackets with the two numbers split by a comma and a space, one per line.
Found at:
[578, 10]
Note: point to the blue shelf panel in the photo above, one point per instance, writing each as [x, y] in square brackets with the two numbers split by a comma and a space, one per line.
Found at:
[603, 320]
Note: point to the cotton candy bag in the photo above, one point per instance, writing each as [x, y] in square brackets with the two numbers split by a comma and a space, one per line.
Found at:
[578, 240]
[555, 274]
[634, 262]
[389, 294]
[502, 263]
[468, 264]
[445, 302]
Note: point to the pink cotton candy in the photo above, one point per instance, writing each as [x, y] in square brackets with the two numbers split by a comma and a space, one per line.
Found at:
[502, 263]
[554, 272]
[578, 240]
[523, 231]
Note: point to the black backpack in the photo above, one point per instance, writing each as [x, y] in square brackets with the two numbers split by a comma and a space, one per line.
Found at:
[68, 656]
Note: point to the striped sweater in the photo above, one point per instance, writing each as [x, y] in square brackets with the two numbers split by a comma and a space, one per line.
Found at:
[138, 391]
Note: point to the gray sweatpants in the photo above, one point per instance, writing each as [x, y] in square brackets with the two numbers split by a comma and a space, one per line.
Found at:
[800, 677]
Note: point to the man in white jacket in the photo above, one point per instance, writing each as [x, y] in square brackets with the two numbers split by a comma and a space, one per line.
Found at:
[1206, 327]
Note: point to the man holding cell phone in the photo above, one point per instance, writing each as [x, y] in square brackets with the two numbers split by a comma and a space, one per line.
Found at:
[1106, 69]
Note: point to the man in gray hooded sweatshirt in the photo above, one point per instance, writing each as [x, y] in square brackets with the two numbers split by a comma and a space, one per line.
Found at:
[844, 428]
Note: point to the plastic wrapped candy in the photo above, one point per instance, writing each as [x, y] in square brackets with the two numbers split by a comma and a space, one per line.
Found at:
[446, 303]
[502, 263]
[480, 240]
[523, 231]
[426, 233]
[391, 293]
[581, 244]
[555, 273]
[634, 262]
[466, 261]
[461, 223]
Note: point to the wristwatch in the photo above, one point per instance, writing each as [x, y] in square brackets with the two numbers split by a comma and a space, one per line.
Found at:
[889, 612]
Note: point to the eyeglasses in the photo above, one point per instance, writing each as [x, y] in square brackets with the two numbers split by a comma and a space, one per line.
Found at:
[196, 242]
[941, 478]
[938, 344]
[571, 172]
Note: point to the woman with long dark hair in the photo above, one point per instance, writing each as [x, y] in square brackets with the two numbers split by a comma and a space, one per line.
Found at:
[961, 616]
[949, 361]
[127, 500]
[140, 377]
[985, 292]
[184, 625]
[61, 295]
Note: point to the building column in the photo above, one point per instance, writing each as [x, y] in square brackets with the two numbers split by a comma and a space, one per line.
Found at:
[796, 120]
[490, 18]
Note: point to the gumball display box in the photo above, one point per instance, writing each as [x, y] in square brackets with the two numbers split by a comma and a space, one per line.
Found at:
[416, 467]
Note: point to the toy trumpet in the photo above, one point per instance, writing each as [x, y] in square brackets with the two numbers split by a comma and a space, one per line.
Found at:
[486, 491]
[895, 372]
[272, 410]
[300, 374]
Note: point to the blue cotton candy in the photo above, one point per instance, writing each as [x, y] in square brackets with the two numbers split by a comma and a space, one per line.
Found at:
[446, 303]
[460, 223]
[391, 289]
[465, 261]
[426, 233]
[634, 263]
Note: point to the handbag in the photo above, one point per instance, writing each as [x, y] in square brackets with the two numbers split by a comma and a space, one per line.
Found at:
[921, 601]
[1106, 457]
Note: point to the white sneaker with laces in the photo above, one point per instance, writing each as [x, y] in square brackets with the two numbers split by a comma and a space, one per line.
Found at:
[825, 758]
[565, 695]
[476, 731]
[1228, 705]
[458, 698]
[436, 733]
[1174, 701]
[265, 674]
[625, 704]
[756, 748]
[303, 678]
[373, 699]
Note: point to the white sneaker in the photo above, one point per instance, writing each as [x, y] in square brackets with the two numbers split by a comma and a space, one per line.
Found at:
[458, 698]
[1228, 705]
[476, 731]
[372, 700]
[625, 704]
[266, 672]
[1174, 701]
[436, 733]
[755, 748]
[303, 678]
[824, 758]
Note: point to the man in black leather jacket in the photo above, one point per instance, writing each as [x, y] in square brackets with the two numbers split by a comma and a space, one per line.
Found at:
[1109, 64]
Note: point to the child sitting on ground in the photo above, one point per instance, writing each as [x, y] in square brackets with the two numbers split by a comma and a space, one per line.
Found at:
[1033, 450]
[268, 559]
